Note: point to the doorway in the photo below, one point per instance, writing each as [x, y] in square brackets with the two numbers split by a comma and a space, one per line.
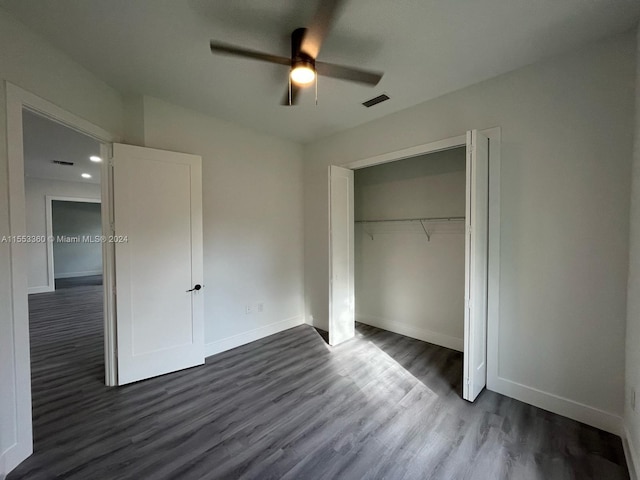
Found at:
[62, 184]
[75, 227]
[481, 248]
[17, 388]
[182, 172]
[410, 247]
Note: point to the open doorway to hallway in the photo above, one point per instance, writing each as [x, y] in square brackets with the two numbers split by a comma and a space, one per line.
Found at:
[64, 251]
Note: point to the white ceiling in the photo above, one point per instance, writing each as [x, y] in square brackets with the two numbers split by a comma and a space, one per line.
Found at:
[45, 141]
[425, 47]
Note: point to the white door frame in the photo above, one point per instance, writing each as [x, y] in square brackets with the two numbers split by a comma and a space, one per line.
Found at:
[51, 281]
[18, 99]
[493, 294]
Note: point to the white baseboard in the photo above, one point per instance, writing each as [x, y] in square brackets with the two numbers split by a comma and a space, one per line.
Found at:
[42, 289]
[607, 421]
[631, 454]
[79, 274]
[251, 336]
[418, 333]
[14, 456]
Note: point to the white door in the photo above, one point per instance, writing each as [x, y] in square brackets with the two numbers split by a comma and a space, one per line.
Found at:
[157, 200]
[476, 254]
[341, 247]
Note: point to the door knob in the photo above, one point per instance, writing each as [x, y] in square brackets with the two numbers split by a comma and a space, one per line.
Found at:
[196, 288]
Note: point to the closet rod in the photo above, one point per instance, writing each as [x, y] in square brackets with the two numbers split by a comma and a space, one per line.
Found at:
[428, 219]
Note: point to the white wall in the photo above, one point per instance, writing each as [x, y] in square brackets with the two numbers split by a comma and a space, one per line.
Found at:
[36, 191]
[405, 283]
[566, 150]
[632, 381]
[76, 220]
[252, 219]
[31, 63]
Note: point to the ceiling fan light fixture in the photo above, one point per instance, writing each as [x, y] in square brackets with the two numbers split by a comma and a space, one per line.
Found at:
[305, 46]
[303, 72]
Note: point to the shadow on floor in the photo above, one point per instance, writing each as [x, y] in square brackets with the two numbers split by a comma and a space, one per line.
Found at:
[324, 334]
[444, 364]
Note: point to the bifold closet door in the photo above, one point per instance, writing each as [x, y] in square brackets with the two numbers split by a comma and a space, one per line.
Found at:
[341, 254]
[476, 256]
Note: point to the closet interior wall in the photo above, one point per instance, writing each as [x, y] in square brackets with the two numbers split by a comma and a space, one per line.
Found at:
[409, 275]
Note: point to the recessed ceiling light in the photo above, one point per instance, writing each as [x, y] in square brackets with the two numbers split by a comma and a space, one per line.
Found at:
[95, 158]
[85, 175]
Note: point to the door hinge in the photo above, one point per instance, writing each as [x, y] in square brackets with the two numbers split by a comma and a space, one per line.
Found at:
[468, 381]
[469, 303]
[112, 226]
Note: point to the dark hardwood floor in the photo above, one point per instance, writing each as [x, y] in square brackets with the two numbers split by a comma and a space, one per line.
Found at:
[78, 281]
[381, 406]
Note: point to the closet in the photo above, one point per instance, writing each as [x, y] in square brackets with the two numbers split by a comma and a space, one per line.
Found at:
[410, 246]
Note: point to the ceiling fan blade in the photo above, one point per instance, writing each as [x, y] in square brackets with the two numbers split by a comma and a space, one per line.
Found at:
[320, 25]
[226, 49]
[348, 73]
[295, 90]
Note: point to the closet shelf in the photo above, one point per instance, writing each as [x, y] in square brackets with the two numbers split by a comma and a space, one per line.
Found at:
[426, 225]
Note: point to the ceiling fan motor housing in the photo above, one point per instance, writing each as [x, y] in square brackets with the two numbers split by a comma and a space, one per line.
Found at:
[298, 57]
[303, 65]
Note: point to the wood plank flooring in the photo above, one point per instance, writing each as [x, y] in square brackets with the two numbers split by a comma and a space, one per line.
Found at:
[78, 281]
[381, 406]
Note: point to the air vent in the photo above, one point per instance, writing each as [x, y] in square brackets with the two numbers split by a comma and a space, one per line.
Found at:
[376, 100]
[60, 162]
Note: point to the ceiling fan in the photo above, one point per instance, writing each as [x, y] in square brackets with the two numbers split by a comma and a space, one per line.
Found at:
[305, 46]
